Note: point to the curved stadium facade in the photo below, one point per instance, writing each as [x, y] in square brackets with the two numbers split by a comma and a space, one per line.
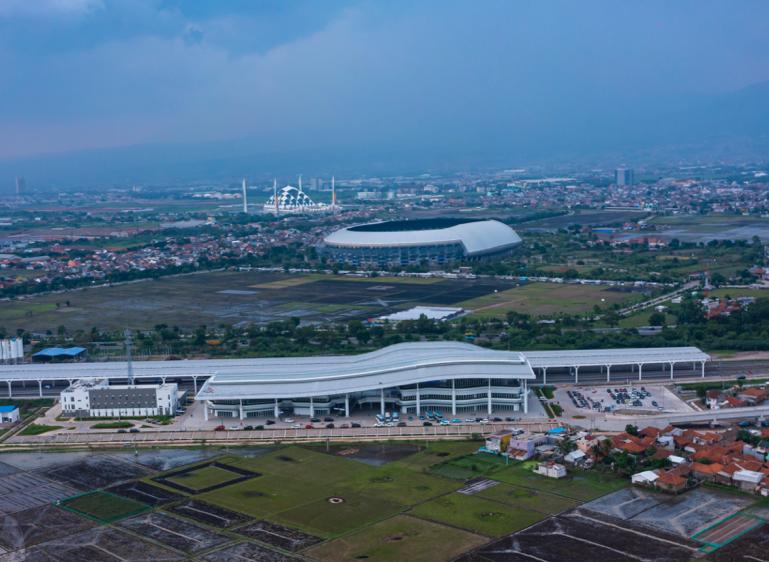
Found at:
[410, 242]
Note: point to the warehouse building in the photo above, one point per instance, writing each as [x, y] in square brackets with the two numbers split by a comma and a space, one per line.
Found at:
[96, 398]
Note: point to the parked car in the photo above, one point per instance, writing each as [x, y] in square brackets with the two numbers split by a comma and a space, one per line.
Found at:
[269, 422]
[328, 419]
[289, 420]
[248, 427]
[345, 426]
[427, 423]
[309, 426]
[401, 424]
[354, 424]
[133, 430]
[456, 420]
[315, 420]
[296, 426]
[219, 428]
[234, 427]
[122, 431]
[329, 426]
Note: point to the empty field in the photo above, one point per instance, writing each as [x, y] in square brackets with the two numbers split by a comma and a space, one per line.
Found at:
[354, 501]
[103, 506]
[542, 299]
[236, 297]
[102, 544]
[174, 533]
[572, 536]
[327, 517]
[477, 514]
[581, 486]
[203, 477]
[398, 538]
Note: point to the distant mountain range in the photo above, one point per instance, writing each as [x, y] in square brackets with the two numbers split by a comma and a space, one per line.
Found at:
[732, 126]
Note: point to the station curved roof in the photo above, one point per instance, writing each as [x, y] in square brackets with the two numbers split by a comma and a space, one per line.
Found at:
[476, 236]
[395, 365]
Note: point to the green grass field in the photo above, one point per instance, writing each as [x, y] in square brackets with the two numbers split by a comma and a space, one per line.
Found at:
[398, 538]
[469, 466]
[542, 299]
[528, 498]
[582, 486]
[401, 485]
[38, 429]
[204, 477]
[476, 514]
[404, 509]
[103, 506]
[321, 517]
[734, 293]
[112, 425]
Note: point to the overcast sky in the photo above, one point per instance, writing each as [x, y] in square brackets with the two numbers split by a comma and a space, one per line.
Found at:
[78, 74]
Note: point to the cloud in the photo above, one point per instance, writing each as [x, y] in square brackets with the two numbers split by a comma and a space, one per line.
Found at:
[303, 74]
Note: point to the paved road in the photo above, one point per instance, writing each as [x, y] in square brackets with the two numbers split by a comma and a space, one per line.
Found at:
[658, 300]
[148, 437]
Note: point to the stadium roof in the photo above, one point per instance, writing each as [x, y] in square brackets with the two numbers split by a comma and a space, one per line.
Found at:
[477, 237]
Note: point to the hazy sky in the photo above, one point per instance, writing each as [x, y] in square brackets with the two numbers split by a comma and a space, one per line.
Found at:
[333, 73]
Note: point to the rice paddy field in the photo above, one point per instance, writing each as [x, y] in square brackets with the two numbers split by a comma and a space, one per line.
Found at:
[434, 501]
[237, 298]
[349, 502]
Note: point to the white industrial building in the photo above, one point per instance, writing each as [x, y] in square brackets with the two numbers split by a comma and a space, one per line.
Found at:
[11, 350]
[97, 398]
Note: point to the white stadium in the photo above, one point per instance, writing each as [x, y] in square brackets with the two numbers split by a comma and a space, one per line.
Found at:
[407, 242]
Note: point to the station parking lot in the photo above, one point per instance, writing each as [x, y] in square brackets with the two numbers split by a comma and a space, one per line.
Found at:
[619, 399]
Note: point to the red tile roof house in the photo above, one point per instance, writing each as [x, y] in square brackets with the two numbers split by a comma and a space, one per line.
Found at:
[753, 395]
[673, 480]
[632, 444]
[706, 471]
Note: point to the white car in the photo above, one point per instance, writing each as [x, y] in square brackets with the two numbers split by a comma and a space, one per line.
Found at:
[469, 420]
[289, 420]
[297, 426]
[233, 427]
[484, 421]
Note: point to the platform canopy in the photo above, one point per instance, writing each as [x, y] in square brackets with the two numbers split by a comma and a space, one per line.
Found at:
[610, 357]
